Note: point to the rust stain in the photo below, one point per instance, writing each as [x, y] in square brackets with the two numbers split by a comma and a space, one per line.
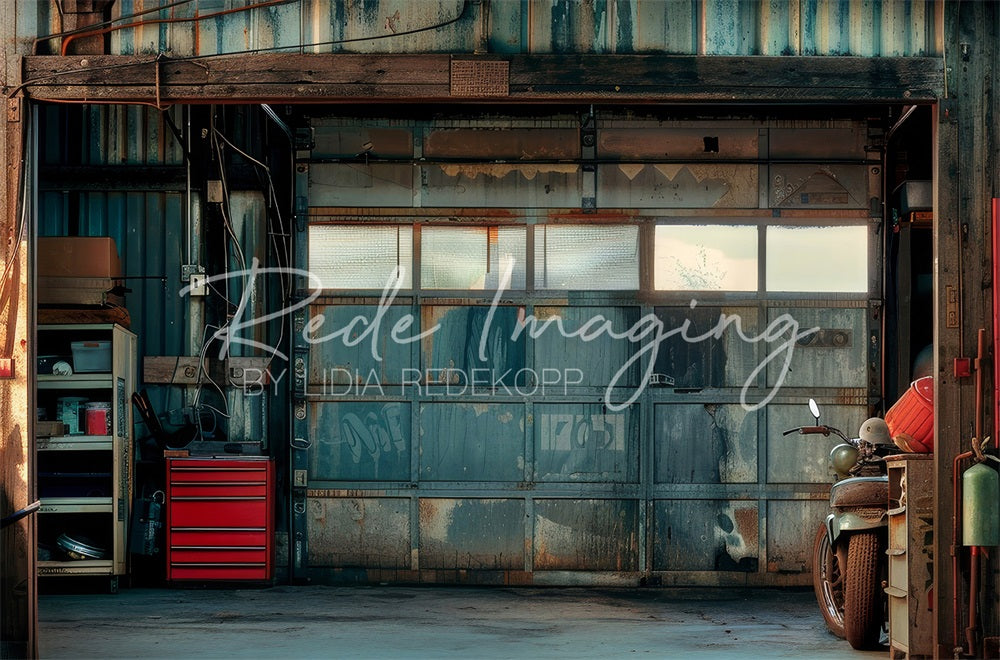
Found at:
[428, 511]
[499, 171]
[746, 525]
[523, 144]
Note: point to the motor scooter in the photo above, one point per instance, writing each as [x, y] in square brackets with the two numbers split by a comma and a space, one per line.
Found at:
[849, 560]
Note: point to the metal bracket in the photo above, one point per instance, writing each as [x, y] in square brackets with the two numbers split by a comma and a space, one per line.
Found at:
[187, 270]
[300, 478]
[304, 138]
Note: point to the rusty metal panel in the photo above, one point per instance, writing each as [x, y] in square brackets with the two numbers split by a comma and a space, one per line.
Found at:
[593, 359]
[721, 358]
[503, 144]
[353, 351]
[667, 27]
[557, 26]
[472, 533]
[817, 186]
[833, 357]
[714, 27]
[356, 140]
[696, 185]
[791, 529]
[804, 141]
[462, 441]
[451, 354]
[584, 442]
[586, 535]
[366, 532]
[361, 184]
[804, 459]
[709, 443]
[652, 142]
[706, 535]
[504, 185]
[731, 27]
[359, 441]
[370, 26]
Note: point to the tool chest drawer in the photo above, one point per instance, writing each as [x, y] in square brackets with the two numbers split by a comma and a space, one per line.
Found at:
[220, 519]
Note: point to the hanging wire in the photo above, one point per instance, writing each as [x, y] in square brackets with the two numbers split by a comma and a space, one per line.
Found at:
[22, 199]
[197, 58]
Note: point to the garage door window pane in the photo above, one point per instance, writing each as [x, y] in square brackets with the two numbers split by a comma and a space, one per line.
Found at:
[705, 258]
[471, 257]
[587, 257]
[817, 259]
[360, 256]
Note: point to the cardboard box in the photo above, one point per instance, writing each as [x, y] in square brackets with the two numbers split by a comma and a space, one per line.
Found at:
[44, 429]
[77, 291]
[78, 256]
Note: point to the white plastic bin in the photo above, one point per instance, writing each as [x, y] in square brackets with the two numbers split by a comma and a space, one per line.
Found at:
[91, 356]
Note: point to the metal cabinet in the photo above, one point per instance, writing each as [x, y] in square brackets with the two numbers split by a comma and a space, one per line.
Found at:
[911, 546]
[84, 386]
[220, 518]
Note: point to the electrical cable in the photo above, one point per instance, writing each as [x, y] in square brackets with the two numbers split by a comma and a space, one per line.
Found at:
[197, 58]
[86, 28]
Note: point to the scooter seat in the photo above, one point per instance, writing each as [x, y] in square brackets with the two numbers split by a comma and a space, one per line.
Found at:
[860, 491]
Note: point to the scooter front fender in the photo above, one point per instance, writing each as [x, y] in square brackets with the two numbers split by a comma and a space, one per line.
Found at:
[847, 522]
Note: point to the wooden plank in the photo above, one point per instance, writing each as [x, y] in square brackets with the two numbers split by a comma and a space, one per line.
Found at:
[170, 370]
[296, 78]
[967, 143]
[18, 601]
[948, 429]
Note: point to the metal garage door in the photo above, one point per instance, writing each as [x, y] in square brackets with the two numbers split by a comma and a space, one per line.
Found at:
[560, 349]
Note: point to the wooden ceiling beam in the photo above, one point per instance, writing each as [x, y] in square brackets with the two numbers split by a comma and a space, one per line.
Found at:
[443, 78]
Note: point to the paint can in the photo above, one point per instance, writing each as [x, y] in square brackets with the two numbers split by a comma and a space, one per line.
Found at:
[98, 417]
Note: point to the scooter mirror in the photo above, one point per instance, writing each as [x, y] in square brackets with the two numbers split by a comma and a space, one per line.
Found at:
[814, 409]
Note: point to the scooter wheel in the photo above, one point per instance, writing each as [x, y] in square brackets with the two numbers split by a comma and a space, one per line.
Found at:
[862, 606]
[828, 582]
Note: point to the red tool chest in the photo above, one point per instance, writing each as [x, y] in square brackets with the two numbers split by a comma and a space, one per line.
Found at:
[220, 518]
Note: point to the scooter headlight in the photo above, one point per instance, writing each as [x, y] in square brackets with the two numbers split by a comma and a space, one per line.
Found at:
[843, 457]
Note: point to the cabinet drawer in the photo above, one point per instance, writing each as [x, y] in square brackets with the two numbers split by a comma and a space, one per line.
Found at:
[220, 536]
[217, 572]
[217, 470]
[217, 555]
[206, 512]
[218, 489]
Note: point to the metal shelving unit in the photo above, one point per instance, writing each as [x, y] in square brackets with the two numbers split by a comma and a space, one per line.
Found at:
[85, 481]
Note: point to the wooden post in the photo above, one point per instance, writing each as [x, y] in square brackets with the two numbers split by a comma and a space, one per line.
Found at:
[17, 542]
[965, 181]
[18, 612]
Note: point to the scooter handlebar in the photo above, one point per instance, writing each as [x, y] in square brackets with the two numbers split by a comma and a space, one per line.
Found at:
[809, 430]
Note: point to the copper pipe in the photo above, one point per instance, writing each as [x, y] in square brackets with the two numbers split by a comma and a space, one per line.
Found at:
[955, 575]
[980, 361]
[996, 327]
[970, 632]
[69, 39]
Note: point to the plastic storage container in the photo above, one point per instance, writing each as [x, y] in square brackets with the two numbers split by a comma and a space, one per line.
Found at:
[98, 416]
[68, 412]
[911, 419]
[91, 356]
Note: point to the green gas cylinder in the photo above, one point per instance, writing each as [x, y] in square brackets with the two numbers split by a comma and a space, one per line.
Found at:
[980, 506]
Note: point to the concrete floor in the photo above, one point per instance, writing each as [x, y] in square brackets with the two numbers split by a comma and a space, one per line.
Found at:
[437, 622]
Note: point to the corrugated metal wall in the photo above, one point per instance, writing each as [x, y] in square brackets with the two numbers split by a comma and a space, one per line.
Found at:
[867, 28]
[149, 229]
[147, 226]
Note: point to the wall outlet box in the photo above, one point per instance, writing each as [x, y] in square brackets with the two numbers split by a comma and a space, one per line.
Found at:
[199, 287]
